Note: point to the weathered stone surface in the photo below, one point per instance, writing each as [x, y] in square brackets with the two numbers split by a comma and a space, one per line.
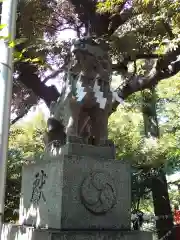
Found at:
[103, 235]
[105, 152]
[13, 232]
[86, 98]
[76, 192]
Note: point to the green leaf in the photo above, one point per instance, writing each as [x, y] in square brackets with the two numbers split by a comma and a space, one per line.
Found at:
[12, 44]
[2, 26]
[18, 55]
[36, 60]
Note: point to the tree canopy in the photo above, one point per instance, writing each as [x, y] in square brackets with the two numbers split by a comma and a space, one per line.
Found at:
[143, 36]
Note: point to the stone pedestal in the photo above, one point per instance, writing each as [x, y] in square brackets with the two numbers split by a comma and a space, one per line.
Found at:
[83, 191]
[75, 192]
[11, 232]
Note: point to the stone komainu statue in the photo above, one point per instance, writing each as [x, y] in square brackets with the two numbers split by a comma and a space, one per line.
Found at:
[83, 108]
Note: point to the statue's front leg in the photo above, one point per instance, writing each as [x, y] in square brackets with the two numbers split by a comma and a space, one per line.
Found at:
[99, 119]
[72, 126]
[103, 126]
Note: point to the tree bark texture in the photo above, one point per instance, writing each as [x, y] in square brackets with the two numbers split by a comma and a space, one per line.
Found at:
[159, 183]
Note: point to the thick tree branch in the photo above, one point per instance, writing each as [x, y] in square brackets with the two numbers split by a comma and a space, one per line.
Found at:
[16, 119]
[166, 67]
[28, 76]
[107, 22]
[121, 66]
[119, 19]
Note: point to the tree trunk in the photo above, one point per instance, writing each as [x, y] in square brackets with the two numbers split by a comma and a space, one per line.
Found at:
[162, 205]
[159, 183]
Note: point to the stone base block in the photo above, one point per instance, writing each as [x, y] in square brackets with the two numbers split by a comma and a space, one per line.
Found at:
[67, 191]
[13, 232]
[107, 151]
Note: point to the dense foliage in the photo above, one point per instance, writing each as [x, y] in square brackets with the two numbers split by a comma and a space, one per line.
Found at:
[126, 127]
[143, 37]
[25, 142]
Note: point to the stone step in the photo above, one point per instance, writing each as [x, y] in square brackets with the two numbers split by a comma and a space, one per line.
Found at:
[15, 232]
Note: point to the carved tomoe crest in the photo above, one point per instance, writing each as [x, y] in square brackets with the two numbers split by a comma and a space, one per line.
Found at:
[98, 192]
